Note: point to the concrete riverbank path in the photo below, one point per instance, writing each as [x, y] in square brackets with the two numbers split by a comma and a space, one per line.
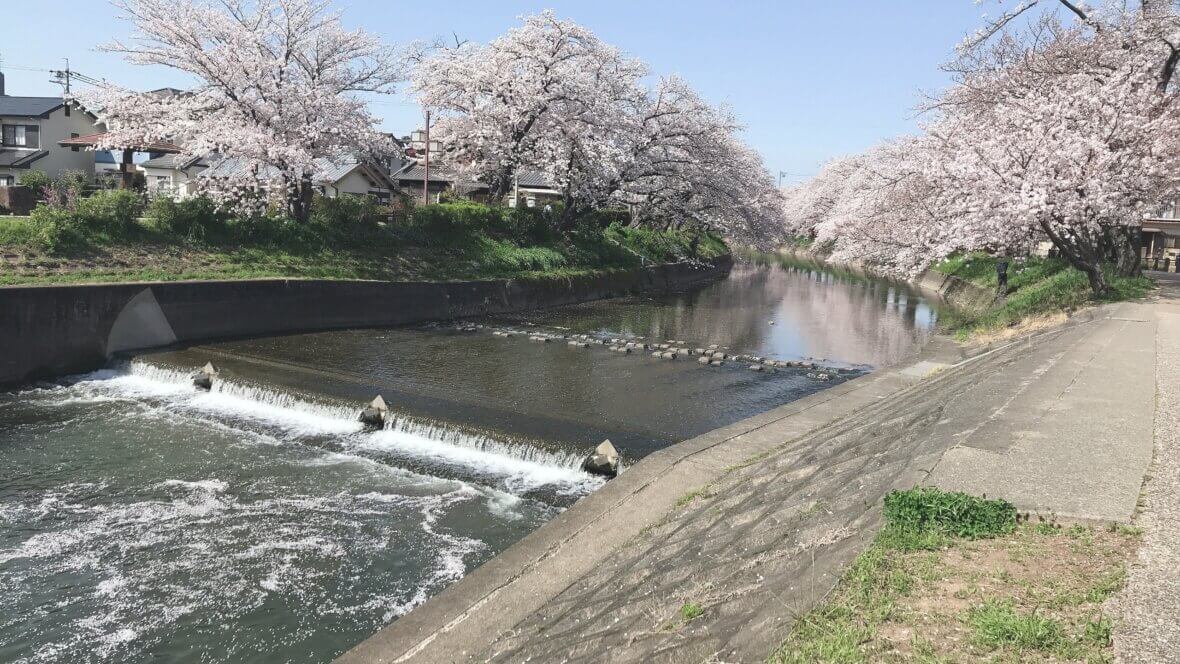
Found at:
[752, 524]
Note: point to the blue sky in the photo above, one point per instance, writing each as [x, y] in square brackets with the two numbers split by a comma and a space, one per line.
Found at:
[811, 79]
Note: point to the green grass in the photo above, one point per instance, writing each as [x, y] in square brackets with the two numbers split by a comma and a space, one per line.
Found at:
[691, 611]
[1038, 287]
[995, 624]
[16, 231]
[929, 512]
[105, 242]
[908, 561]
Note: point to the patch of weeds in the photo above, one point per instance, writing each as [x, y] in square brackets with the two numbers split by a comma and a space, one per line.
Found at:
[1125, 529]
[1047, 528]
[1107, 586]
[927, 513]
[995, 624]
[1097, 632]
[704, 492]
[691, 611]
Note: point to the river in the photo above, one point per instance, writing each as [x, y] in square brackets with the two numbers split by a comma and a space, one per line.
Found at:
[142, 519]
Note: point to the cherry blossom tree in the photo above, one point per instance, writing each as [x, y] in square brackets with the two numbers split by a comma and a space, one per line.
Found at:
[550, 96]
[275, 91]
[1064, 127]
[1066, 130]
[542, 93]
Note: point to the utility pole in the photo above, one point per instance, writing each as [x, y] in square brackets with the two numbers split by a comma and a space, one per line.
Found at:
[67, 73]
[426, 176]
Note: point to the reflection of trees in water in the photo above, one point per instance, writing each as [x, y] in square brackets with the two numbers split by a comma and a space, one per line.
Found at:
[856, 321]
[817, 314]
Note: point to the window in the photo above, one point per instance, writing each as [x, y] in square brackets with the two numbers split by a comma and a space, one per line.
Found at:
[21, 136]
[73, 135]
[6, 181]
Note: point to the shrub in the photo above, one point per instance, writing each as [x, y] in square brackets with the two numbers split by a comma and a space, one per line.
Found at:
[37, 181]
[929, 510]
[112, 211]
[450, 219]
[192, 218]
[347, 210]
[55, 229]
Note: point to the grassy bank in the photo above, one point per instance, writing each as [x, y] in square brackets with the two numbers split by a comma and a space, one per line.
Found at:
[115, 236]
[955, 578]
[1038, 287]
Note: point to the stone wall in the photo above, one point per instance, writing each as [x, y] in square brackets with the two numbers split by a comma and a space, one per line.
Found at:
[47, 331]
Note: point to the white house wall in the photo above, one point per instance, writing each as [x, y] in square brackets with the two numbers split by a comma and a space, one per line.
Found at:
[58, 127]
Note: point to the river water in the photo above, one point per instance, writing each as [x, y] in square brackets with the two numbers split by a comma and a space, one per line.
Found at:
[144, 520]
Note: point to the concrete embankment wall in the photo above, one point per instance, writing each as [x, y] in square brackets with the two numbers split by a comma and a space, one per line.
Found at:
[954, 291]
[48, 331]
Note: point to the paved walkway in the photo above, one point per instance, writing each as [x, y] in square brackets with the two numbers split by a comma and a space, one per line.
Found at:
[755, 522]
[1072, 438]
[1148, 629]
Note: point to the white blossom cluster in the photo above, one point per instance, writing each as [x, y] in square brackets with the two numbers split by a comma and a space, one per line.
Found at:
[275, 91]
[549, 96]
[1062, 130]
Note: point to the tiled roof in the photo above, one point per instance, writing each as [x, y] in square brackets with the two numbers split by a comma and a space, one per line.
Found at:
[29, 106]
[171, 161]
[20, 158]
[415, 172]
[534, 179]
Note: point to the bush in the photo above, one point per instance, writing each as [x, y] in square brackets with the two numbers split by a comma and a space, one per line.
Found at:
[38, 181]
[931, 510]
[191, 218]
[111, 212]
[450, 219]
[347, 210]
[55, 229]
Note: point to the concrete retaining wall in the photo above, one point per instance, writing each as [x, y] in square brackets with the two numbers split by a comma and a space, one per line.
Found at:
[954, 291]
[48, 331]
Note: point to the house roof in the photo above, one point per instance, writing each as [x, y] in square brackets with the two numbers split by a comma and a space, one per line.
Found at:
[533, 180]
[29, 106]
[91, 140]
[414, 172]
[20, 158]
[171, 161]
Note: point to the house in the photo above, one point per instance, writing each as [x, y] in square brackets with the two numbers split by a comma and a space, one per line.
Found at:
[172, 175]
[1161, 233]
[411, 180]
[532, 188]
[31, 131]
[345, 176]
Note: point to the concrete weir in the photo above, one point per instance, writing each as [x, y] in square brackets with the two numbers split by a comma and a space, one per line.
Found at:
[47, 331]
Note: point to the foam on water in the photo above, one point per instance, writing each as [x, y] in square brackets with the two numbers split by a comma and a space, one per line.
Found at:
[520, 466]
[235, 555]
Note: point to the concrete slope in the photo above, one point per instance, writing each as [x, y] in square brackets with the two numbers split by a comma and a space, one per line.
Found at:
[755, 522]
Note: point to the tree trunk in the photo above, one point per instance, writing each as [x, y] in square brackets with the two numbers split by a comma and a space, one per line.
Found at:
[1083, 252]
[300, 202]
[1128, 243]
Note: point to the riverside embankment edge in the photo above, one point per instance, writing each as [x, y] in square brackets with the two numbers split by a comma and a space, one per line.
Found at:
[48, 331]
[754, 523]
[465, 621]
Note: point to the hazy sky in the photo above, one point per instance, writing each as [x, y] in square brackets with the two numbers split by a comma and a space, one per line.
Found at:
[810, 80]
